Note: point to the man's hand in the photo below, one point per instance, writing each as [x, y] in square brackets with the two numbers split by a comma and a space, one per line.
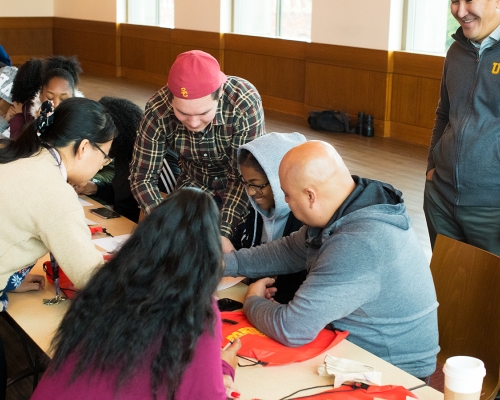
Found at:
[227, 246]
[429, 174]
[31, 282]
[262, 288]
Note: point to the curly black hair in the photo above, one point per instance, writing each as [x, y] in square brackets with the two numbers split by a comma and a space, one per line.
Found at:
[28, 81]
[70, 65]
[126, 116]
[36, 73]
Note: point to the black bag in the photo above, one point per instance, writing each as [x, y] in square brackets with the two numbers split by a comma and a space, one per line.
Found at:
[329, 120]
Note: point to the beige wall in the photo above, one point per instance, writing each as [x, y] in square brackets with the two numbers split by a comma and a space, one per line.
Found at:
[95, 10]
[198, 15]
[26, 8]
[356, 23]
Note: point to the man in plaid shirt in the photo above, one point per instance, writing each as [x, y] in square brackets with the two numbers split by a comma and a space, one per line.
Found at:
[204, 116]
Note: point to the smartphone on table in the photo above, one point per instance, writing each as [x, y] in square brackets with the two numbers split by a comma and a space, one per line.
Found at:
[104, 212]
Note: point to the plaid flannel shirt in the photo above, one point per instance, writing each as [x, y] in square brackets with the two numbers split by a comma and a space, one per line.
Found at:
[208, 159]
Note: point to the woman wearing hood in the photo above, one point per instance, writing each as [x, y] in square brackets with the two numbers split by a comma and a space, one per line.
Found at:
[270, 217]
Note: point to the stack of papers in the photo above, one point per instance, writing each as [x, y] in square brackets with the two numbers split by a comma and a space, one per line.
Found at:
[111, 244]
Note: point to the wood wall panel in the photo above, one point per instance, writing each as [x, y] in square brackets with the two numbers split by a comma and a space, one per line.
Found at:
[272, 76]
[347, 89]
[27, 37]
[93, 42]
[348, 57]
[414, 100]
[414, 64]
[276, 67]
[265, 46]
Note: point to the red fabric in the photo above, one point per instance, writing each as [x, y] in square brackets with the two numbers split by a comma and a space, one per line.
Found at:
[65, 284]
[387, 392]
[256, 345]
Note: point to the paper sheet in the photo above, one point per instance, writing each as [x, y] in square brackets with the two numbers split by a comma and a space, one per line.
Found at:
[229, 281]
[90, 222]
[84, 202]
[111, 243]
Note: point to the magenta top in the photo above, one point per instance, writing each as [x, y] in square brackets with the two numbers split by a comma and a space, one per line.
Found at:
[202, 379]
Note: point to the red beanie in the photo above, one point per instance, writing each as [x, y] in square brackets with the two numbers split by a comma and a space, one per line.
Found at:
[195, 74]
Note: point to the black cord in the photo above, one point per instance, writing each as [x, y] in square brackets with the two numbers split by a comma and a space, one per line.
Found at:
[264, 363]
[417, 387]
[61, 288]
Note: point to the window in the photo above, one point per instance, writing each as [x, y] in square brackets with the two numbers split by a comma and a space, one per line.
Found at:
[286, 19]
[429, 26]
[151, 12]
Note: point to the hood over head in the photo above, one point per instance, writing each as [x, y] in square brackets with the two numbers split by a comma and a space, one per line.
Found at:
[269, 150]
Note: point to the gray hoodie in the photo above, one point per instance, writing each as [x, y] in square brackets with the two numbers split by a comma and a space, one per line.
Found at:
[366, 274]
[269, 150]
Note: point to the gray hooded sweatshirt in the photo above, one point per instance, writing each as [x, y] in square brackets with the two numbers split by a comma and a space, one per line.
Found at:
[367, 274]
[269, 150]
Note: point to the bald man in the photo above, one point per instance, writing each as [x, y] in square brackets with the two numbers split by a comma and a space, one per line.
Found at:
[367, 273]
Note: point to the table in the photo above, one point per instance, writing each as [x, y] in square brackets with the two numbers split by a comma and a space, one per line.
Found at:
[40, 322]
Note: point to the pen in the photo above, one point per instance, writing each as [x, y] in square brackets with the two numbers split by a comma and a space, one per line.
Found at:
[229, 321]
[231, 394]
[228, 345]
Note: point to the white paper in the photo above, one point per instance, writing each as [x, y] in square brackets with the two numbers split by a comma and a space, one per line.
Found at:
[111, 244]
[346, 370]
[90, 222]
[229, 281]
[84, 202]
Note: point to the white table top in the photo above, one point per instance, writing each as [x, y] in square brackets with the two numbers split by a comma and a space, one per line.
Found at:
[272, 382]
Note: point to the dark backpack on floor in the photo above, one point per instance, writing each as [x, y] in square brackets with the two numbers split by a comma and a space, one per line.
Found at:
[329, 120]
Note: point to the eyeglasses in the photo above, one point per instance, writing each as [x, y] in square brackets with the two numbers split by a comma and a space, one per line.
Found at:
[248, 186]
[107, 159]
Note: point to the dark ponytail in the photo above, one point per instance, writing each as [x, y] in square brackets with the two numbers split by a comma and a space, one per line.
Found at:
[74, 120]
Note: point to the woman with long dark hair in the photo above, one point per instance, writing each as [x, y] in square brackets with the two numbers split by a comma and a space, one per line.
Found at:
[147, 326]
[39, 211]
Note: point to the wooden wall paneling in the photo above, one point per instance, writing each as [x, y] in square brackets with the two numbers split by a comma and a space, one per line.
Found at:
[185, 40]
[414, 100]
[416, 64]
[93, 42]
[145, 53]
[348, 89]
[415, 95]
[348, 57]
[276, 67]
[349, 79]
[26, 37]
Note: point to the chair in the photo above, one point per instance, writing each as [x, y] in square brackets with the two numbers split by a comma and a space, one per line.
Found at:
[467, 281]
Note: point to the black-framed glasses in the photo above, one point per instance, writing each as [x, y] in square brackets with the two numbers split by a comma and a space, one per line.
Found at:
[107, 159]
[257, 188]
